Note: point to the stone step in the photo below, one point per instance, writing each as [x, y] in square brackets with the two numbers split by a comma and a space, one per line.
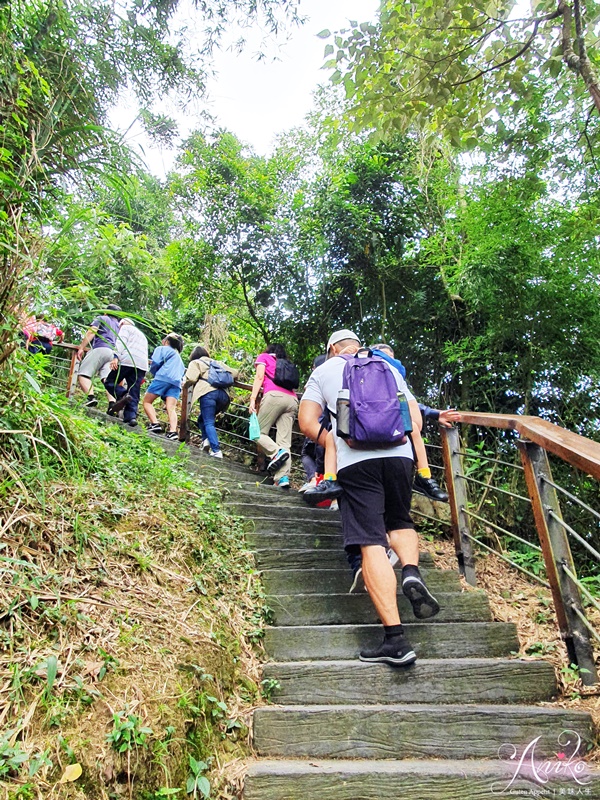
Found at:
[408, 780]
[283, 510]
[444, 640]
[413, 731]
[447, 681]
[338, 581]
[267, 495]
[331, 540]
[357, 609]
[326, 525]
[271, 558]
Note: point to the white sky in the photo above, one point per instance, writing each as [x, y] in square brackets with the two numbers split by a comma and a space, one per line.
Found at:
[257, 100]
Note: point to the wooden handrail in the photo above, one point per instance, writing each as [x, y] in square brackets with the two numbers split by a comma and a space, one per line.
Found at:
[571, 447]
[537, 438]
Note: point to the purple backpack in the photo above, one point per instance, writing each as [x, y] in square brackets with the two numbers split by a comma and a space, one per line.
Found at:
[375, 417]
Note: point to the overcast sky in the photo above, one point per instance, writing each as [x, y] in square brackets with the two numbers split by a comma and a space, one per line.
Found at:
[258, 99]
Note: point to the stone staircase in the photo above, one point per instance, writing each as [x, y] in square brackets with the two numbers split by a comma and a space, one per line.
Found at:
[354, 731]
[453, 726]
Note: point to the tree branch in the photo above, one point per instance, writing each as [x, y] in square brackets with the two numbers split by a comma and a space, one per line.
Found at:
[504, 63]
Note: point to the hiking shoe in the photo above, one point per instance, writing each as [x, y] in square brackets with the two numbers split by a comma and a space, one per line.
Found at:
[278, 460]
[119, 404]
[284, 483]
[131, 422]
[109, 410]
[423, 603]
[326, 490]
[396, 652]
[304, 487]
[357, 581]
[430, 488]
[91, 401]
[216, 454]
[205, 445]
[171, 435]
[155, 428]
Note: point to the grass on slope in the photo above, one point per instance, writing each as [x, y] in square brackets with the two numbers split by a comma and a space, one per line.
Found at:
[128, 613]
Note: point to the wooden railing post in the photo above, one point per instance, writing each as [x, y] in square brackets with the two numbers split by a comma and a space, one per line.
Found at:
[73, 368]
[186, 412]
[557, 552]
[457, 491]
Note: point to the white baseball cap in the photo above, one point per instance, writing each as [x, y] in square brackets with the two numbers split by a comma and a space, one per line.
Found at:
[339, 336]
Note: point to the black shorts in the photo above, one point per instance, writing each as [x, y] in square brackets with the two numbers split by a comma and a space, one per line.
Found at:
[376, 499]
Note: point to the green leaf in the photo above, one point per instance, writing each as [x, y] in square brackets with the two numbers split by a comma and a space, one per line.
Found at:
[51, 672]
[203, 784]
[324, 34]
[33, 383]
[328, 50]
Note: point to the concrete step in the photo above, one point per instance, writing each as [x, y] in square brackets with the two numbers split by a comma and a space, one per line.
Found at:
[357, 609]
[413, 731]
[407, 780]
[328, 525]
[447, 681]
[284, 509]
[296, 558]
[267, 495]
[444, 640]
[331, 540]
[338, 581]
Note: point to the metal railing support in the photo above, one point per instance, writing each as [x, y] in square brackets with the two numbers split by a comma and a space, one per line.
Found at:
[457, 491]
[557, 553]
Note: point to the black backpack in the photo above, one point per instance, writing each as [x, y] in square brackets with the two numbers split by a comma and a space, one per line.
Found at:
[286, 374]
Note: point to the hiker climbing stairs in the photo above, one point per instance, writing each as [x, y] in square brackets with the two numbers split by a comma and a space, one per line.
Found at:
[341, 728]
[444, 728]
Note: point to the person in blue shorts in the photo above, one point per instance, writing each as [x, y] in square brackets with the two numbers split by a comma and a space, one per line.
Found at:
[167, 370]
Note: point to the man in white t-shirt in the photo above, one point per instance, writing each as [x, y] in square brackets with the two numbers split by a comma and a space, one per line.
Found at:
[129, 365]
[375, 506]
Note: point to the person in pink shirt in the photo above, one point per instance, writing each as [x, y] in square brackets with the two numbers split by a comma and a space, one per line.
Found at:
[42, 334]
[278, 408]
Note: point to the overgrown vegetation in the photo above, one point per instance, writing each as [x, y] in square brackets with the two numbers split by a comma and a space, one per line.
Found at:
[128, 614]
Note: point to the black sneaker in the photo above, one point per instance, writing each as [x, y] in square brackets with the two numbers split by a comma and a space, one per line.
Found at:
[109, 410]
[91, 401]
[132, 423]
[430, 488]
[326, 490]
[423, 603]
[171, 435]
[155, 428]
[396, 652]
[278, 460]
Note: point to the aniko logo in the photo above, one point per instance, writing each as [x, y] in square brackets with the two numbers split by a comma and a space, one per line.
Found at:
[567, 766]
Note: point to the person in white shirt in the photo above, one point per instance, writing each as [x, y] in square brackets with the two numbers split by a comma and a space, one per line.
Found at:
[129, 365]
[375, 505]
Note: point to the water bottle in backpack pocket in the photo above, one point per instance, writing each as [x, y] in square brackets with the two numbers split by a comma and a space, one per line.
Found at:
[342, 414]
